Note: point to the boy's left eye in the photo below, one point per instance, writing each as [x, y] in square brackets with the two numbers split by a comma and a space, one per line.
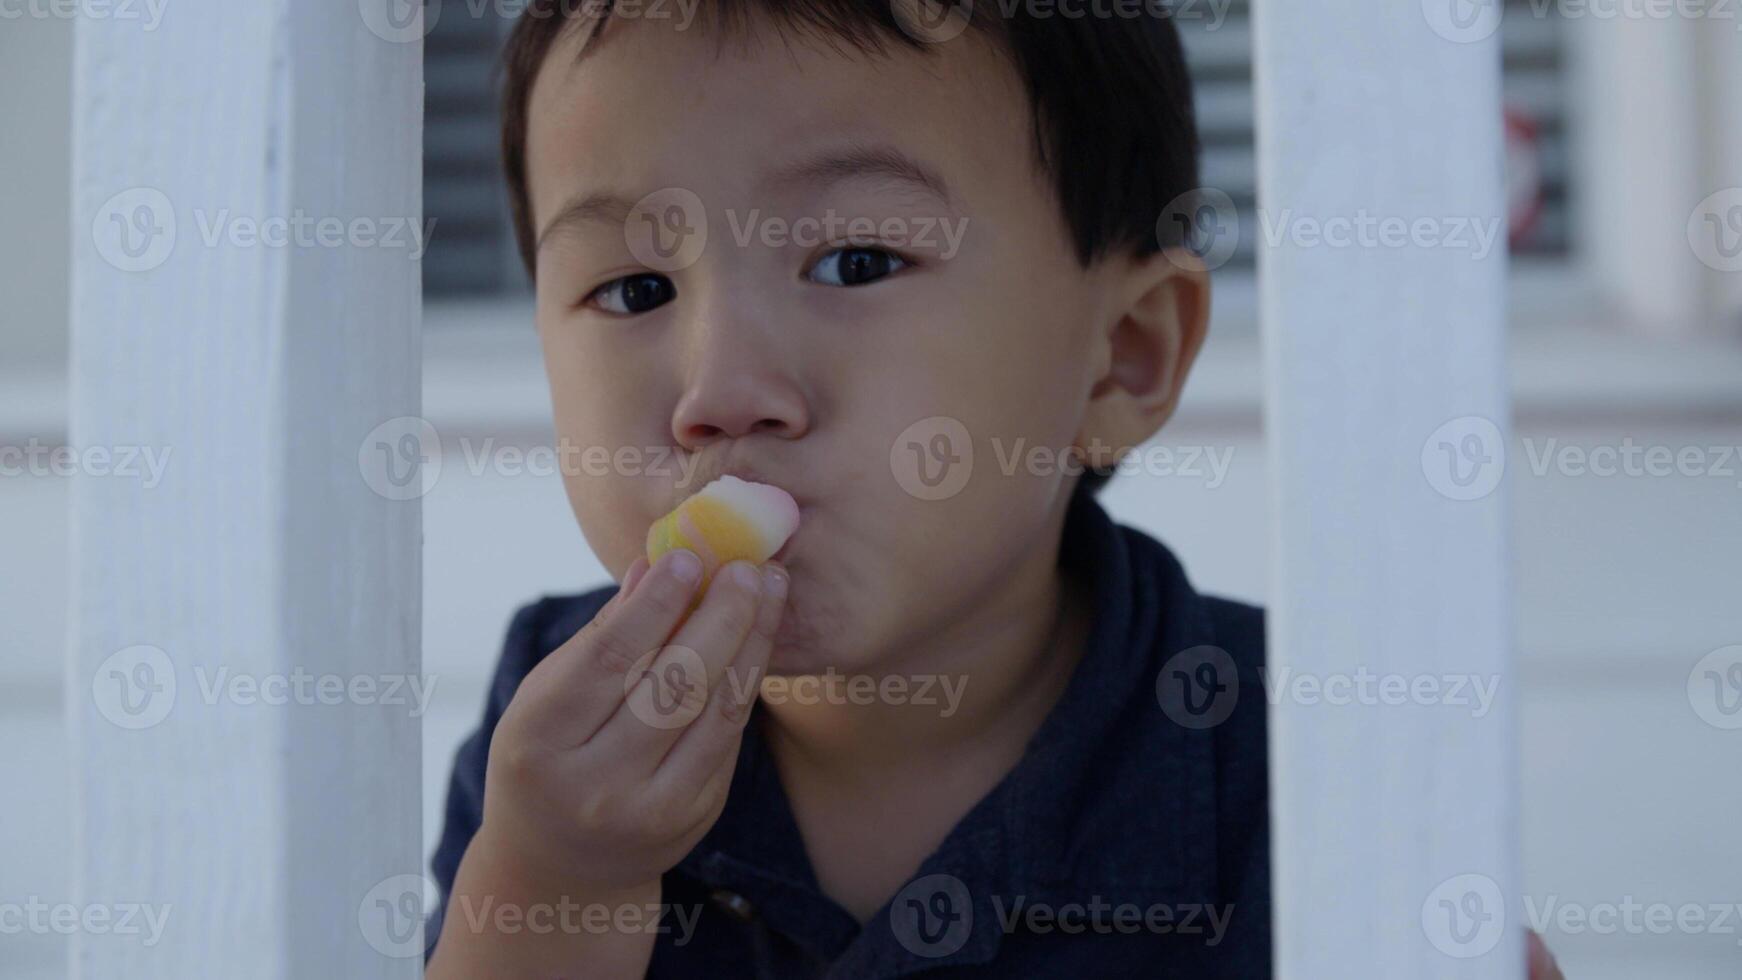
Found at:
[855, 266]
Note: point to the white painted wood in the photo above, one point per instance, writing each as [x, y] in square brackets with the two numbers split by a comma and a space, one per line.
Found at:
[1721, 109]
[1636, 128]
[1382, 811]
[258, 828]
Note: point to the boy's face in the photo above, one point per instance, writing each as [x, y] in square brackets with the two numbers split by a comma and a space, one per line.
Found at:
[788, 356]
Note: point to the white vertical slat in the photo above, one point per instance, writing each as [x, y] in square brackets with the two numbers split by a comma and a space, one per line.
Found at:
[1377, 356]
[1638, 133]
[263, 555]
[1721, 61]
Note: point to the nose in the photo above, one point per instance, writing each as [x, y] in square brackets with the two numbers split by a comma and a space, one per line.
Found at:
[738, 386]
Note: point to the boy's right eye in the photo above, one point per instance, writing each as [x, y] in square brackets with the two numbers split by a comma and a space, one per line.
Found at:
[635, 294]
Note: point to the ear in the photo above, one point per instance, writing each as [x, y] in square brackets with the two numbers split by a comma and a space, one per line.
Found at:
[1152, 331]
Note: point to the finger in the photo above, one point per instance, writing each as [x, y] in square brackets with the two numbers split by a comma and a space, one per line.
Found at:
[1542, 962]
[709, 746]
[631, 577]
[581, 685]
[677, 683]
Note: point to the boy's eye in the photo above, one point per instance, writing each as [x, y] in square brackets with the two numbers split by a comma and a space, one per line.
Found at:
[855, 266]
[633, 294]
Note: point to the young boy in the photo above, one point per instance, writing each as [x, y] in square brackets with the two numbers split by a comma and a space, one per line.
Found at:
[873, 259]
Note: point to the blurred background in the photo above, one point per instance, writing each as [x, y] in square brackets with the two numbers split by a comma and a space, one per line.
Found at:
[1625, 163]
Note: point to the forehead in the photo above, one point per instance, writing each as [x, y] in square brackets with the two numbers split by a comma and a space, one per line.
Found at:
[652, 104]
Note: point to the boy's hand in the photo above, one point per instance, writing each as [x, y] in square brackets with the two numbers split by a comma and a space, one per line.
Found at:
[615, 757]
[612, 761]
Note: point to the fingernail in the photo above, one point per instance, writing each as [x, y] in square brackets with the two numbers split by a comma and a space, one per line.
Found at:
[747, 577]
[774, 581]
[686, 567]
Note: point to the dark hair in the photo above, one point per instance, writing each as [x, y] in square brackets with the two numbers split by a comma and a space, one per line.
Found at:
[1109, 96]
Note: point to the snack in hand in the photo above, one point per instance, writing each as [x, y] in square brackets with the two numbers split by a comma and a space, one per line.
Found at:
[727, 520]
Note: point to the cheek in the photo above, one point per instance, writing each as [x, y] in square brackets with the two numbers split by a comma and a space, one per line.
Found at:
[607, 439]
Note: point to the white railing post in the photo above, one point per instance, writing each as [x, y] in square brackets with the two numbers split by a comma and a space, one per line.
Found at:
[1382, 278]
[245, 311]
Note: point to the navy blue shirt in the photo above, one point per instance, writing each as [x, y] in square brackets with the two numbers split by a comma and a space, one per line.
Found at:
[1131, 839]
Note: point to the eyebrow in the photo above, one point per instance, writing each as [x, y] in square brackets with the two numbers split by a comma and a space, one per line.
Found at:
[859, 161]
[863, 161]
